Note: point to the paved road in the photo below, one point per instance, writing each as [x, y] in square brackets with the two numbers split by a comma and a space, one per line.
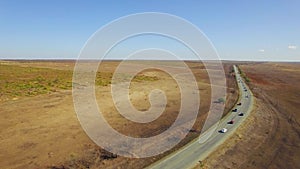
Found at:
[192, 153]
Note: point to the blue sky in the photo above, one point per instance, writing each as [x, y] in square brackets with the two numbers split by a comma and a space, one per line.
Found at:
[240, 30]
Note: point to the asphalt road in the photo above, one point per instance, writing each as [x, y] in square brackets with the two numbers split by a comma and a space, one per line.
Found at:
[191, 154]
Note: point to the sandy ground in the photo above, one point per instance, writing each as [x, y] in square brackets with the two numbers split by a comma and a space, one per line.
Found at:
[42, 131]
[270, 137]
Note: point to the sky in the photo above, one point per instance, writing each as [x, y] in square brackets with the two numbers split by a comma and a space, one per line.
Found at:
[255, 30]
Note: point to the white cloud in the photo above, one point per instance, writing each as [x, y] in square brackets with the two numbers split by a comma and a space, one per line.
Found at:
[292, 47]
[261, 50]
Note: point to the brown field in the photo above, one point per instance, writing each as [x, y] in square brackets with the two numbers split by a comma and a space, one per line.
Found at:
[39, 127]
[270, 137]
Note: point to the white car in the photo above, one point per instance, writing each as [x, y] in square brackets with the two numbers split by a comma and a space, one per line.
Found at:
[224, 130]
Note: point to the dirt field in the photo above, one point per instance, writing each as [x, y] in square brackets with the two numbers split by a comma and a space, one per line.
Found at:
[39, 128]
[270, 138]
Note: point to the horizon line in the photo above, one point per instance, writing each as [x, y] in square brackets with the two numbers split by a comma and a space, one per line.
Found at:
[69, 59]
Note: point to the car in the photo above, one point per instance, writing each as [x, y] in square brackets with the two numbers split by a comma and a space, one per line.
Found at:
[231, 122]
[223, 130]
[234, 110]
[247, 96]
[239, 104]
[241, 114]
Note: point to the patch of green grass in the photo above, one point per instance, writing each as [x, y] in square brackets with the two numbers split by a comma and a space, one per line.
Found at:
[18, 81]
[221, 100]
[103, 78]
[141, 78]
[30, 81]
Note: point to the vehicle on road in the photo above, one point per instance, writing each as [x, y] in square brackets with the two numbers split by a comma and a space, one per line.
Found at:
[239, 104]
[241, 114]
[231, 122]
[234, 110]
[223, 130]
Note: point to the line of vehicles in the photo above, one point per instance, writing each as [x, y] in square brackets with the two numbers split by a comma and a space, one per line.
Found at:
[235, 110]
[224, 130]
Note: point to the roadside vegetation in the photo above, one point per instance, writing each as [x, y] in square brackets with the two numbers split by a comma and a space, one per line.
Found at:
[232, 89]
[243, 75]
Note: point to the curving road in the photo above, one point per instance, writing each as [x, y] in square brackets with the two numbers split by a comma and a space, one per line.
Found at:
[191, 154]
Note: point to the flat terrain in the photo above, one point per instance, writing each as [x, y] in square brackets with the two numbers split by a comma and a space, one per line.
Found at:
[39, 128]
[199, 149]
[270, 138]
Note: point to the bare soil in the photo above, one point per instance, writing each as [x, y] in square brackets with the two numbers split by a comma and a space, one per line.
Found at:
[39, 127]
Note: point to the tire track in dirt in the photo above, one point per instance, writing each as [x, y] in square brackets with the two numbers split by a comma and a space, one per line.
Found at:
[272, 147]
[277, 144]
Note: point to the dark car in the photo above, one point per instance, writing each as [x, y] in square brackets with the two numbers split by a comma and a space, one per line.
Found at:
[241, 114]
[234, 110]
[239, 104]
[231, 122]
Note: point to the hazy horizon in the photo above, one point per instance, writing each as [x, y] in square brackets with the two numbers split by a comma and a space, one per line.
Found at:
[70, 59]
